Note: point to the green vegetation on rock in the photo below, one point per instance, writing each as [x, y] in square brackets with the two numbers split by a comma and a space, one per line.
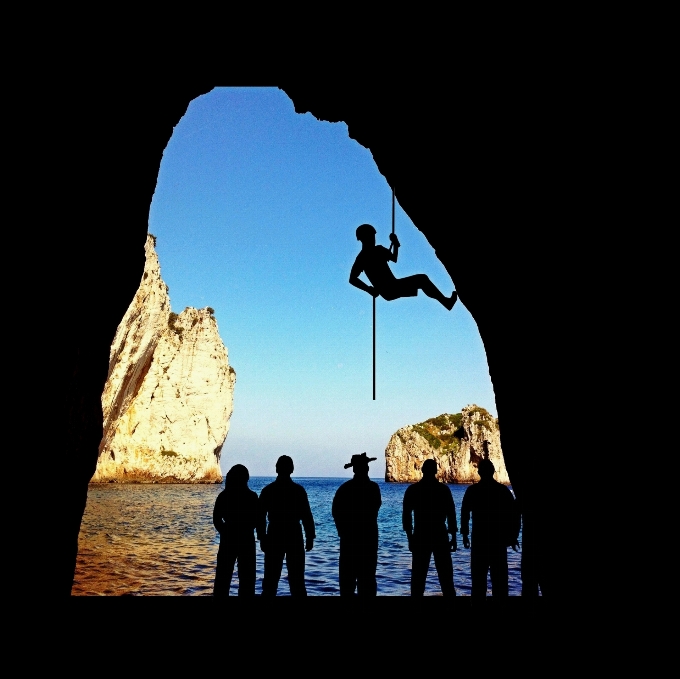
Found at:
[172, 319]
[445, 432]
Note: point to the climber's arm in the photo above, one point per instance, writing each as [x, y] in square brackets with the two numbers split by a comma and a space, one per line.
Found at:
[394, 248]
[354, 279]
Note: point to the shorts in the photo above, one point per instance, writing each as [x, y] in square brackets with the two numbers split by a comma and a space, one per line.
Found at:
[402, 287]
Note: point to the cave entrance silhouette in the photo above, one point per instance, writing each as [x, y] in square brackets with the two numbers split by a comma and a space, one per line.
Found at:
[512, 158]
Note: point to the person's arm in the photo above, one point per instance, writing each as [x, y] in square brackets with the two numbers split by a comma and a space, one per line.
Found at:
[307, 522]
[406, 518]
[218, 521]
[261, 525]
[451, 519]
[336, 512]
[465, 518]
[354, 279]
[394, 248]
[253, 510]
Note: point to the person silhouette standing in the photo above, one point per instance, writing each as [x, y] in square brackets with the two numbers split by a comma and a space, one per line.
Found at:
[285, 504]
[431, 504]
[355, 512]
[373, 261]
[235, 518]
[496, 523]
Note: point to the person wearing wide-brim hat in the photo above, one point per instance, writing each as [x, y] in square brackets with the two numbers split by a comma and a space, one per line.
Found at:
[355, 511]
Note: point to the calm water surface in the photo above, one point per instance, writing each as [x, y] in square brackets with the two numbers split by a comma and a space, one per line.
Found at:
[159, 540]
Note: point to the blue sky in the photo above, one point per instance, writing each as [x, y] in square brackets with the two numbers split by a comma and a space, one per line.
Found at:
[255, 211]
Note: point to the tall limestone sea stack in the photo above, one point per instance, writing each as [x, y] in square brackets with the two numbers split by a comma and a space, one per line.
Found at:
[454, 441]
[169, 393]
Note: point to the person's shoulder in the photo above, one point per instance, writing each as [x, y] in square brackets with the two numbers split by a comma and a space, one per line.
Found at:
[267, 489]
[411, 489]
[299, 488]
[382, 250]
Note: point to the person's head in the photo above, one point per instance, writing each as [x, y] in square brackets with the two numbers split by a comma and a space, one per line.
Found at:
[429, 469]
[284, 466]
[485, 469]
[359, 464]
[237, 476]
[366, 234]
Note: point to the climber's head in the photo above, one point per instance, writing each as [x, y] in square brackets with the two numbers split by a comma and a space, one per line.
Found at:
[366, 234]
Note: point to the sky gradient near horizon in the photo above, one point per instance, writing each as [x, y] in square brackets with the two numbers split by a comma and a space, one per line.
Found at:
[254, 212]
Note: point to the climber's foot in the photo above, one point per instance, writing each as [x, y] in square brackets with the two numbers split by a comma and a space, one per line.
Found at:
[451, 301]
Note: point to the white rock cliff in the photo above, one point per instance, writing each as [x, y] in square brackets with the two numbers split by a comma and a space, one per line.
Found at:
[169, 393]
[454, 441]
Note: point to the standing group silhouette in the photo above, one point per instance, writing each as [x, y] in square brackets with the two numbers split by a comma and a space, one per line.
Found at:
[282, 513]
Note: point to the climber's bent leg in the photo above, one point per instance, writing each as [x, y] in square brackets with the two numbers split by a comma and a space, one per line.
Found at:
[431, 290]
[409, 286]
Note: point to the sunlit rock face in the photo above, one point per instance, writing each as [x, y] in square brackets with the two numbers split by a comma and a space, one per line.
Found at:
[454, 441]
[169, 393]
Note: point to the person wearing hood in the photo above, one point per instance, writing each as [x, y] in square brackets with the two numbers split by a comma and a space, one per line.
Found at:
[355, 512]
[235, 518]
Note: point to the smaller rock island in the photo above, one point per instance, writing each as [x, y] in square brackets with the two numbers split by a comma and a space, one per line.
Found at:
[169, 392]
[454, 441]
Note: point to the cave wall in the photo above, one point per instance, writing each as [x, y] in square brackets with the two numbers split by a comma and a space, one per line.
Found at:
[492, 175]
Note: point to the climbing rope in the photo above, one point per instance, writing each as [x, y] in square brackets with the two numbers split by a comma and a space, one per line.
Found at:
[393, 205]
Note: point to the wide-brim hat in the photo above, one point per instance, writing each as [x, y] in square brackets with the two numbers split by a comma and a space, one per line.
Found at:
[356, 459]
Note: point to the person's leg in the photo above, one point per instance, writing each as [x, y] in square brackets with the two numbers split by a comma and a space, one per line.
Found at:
[346, 568]
[479, 567]
[367, 565]
[246, 568]
[444, 565]
[226, 558]
[295, 564]
[498, 567]
[273, 563]
[420, 562]
[420, 281]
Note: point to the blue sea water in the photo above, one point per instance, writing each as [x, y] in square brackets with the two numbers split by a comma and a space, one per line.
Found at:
[159, 540]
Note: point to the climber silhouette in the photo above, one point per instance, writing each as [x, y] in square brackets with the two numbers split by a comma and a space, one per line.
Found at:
[431, 504]
[285, 504]
[496, 523]
[373, 261]
[355, 512]
[235, 517]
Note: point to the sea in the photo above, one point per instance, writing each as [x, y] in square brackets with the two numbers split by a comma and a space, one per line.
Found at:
[159, 540]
